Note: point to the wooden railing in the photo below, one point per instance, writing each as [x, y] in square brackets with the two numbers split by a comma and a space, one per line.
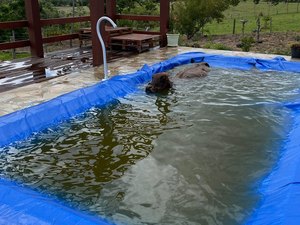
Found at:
[34, 25]
[44, 22]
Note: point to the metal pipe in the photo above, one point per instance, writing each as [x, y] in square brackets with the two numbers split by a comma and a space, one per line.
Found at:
[102, 42]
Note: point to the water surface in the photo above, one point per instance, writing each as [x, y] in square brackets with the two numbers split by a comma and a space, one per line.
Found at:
[194, 156]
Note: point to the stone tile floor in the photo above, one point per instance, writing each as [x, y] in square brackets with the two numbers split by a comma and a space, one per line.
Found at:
[36, 93]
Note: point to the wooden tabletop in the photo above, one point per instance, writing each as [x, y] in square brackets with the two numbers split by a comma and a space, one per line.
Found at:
[134, 37]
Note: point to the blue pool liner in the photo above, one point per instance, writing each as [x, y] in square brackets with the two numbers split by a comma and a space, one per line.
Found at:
[17, 204]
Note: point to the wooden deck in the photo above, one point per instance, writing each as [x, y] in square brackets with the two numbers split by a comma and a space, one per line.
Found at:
[121, 42]
[22, 72]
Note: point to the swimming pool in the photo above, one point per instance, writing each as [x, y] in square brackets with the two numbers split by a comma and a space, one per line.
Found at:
[196, 155]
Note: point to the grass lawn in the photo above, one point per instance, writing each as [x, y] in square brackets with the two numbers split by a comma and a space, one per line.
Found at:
[285, 17]
[8, 55]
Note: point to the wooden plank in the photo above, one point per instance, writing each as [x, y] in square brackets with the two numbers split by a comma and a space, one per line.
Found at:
[137, 17]
[57, 21]
[60, 38]
[140, 42]
[16, 44]
[146, 32]
[23, 72]
[135, 37]
[13, 24]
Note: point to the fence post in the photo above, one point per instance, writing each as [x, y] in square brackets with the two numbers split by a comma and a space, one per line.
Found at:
[164, 21]
[34, 28]
[96, 11]
[233, 30]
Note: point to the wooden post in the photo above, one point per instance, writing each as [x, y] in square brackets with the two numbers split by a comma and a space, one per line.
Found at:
[164, 20]
[111, 9]
[96, 11]
[233, 30]
[34, 28]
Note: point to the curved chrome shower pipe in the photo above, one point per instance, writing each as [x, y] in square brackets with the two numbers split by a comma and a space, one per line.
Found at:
[102, 42]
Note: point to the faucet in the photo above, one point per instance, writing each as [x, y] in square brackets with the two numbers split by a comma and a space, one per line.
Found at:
[102, 42]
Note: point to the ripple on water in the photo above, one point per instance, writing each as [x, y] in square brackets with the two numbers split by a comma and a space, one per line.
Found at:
[193, 156]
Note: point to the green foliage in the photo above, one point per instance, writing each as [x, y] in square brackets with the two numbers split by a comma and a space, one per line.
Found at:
[11, 10]
[69, 2]
[149, 7]
[246, 43]
[47, 10]
[125, 6]
[4, 55]
[190, 16]
[218, 46]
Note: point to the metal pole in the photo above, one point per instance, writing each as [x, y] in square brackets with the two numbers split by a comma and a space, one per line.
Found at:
[13, 39]
[102, 42]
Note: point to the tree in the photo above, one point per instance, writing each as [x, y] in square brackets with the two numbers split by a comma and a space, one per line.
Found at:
[13, 10]
[190, 16]
[128, 5]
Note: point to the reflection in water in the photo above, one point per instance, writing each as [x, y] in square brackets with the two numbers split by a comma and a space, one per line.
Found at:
[192, 156]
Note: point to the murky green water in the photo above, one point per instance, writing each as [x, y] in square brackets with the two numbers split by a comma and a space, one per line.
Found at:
[194, 156]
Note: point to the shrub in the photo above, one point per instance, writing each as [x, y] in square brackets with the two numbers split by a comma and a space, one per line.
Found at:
[246, 43]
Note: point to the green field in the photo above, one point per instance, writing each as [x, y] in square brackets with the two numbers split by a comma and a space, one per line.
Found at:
[285, 17]
[5, 55]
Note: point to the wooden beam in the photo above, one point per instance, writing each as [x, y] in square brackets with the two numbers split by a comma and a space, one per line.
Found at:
[56, 21]
[34, 28]
[96, 11]
[60, 38]
[111, 9]
[13, 24]
[164, 20]
[16, 44]
[137, 17]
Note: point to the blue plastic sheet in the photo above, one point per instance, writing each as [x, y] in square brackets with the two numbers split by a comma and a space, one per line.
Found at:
[281, 189]
[19, 205]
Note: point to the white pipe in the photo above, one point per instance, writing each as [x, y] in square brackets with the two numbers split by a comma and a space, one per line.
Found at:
[102, 42]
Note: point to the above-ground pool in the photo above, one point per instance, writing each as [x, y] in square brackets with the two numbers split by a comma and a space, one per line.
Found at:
[200, 154]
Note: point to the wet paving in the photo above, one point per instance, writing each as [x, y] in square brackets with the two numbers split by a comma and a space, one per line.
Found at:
[28, 82]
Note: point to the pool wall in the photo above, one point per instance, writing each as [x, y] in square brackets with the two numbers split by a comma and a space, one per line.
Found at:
[280, 191]
[22, 124]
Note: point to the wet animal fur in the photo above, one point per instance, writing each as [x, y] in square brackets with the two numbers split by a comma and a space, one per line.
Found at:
[160, 82]
[199, 70]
